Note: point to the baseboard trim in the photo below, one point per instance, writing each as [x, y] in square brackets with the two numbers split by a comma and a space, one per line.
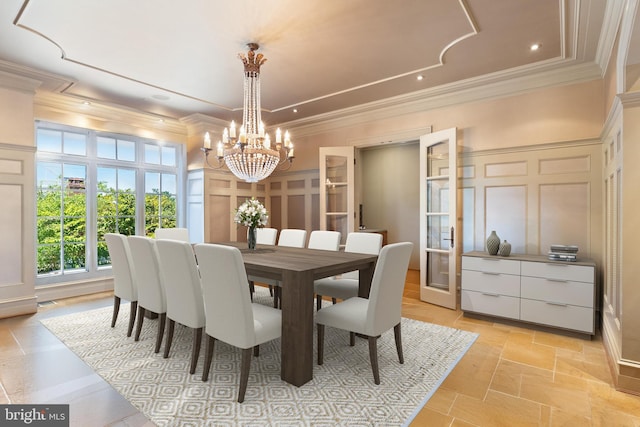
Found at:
[73, 289]
[625, 373]
[18, 307]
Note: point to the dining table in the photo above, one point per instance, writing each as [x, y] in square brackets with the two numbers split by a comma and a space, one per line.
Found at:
[296, 269]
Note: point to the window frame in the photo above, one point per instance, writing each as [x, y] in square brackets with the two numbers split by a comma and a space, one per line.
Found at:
[92, 163]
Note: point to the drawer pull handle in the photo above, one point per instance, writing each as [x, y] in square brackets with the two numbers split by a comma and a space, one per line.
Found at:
[490, 273]
[490, 259]
[490, 295]
[557, 280]
[557, 303]
[556, 265]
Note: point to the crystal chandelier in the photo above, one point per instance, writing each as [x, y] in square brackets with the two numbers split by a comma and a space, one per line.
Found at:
[249, 153]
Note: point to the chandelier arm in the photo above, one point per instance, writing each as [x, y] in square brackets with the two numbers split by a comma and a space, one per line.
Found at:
[206, 159]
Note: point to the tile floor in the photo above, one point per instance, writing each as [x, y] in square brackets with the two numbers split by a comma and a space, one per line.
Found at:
[512, 376]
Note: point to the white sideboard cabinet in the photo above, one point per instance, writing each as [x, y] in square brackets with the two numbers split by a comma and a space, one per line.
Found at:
[532, 289]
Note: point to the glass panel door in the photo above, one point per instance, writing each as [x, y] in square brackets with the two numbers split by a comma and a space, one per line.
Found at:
[337, 190]
[438, 284]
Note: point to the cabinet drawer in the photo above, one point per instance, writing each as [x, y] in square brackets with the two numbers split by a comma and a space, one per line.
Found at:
[491, 265]
[563, 316]
[559, 291]
[492, 304]
[557, 270]
[493, 283]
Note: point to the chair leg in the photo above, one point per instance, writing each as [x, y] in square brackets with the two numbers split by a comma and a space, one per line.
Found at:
[141, 311]
[116, 310]
[244, 373]
[162, 321]
[352, 339]
[208, 357]
[252, 289]
[132, 317]
[256, 351]
[318, 302]
[320, 343]
[277, 295]
[167, 345]
[398, 335]
[373, 355]
[271, 290]
[333, 300]
[195, 352]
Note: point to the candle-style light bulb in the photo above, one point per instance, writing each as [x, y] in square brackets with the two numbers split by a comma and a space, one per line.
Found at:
[225, 136]
[232, 129]
[220, 152]
[290, 153]
[267, 141]
[278, 136]
[207, 141]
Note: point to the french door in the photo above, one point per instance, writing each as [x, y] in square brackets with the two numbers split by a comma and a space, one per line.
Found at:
[337, 190]
[438, 190]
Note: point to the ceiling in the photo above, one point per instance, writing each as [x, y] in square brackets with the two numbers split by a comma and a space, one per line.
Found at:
[172, 59]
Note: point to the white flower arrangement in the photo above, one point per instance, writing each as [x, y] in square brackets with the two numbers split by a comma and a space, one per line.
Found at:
[251, 214]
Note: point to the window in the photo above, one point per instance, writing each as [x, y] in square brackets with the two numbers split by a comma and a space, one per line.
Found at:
[92, 183]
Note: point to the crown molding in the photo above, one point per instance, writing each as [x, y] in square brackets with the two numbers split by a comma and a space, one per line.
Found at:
[19, 83]
[497, 85]
[33, 79]
[108, 113]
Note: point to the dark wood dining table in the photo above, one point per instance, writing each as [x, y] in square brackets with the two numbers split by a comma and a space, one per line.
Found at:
[296, 269]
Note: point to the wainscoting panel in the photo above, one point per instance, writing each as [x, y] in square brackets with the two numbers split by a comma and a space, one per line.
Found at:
[564, 215]
[506, 213]
[533, 197]
[11, 231]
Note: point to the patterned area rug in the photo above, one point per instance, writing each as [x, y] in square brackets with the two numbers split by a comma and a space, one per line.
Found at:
[342, 391]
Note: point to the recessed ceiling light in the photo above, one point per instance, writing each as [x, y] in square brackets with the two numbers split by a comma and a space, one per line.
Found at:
[535, 46]
[295, 110]
[420, 77]
[86, 103]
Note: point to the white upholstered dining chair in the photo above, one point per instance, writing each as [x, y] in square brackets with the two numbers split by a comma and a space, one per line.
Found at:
[346, 286]
[150, 282]
[183, 289]
[292, 237]
[266, 236]
[231, 317]
[178, 233]
[289, 237]
[124, 286]
[324, 239]
[377, 314]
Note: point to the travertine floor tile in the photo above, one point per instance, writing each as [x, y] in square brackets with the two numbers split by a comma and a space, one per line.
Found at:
[560, 418]
[566, 395]
[497, 410]
[582, 369]
[429, 417]
[540, 356]
[508, 376]
[442, 400]
[473, 373]
[558, 341]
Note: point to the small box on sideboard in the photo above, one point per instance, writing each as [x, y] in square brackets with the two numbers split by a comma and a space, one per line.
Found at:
[531, 289]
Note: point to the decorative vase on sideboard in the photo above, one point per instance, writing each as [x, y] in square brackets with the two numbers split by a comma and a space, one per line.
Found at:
[493, 243]
[504, 249]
